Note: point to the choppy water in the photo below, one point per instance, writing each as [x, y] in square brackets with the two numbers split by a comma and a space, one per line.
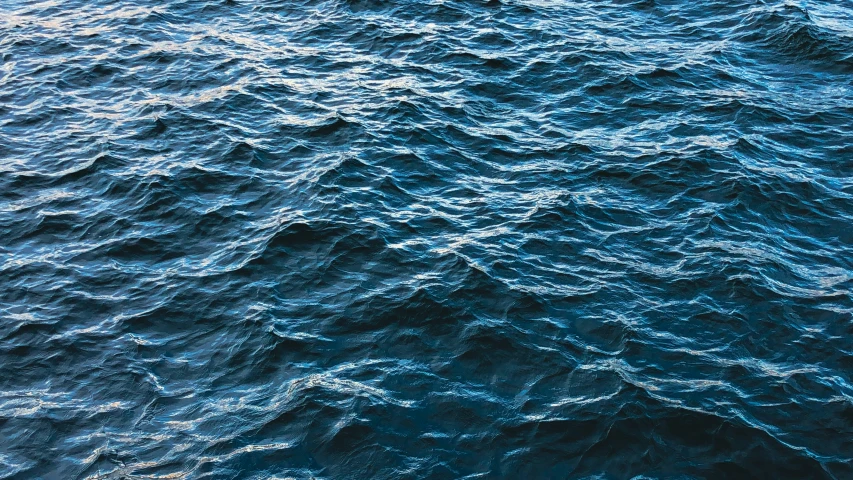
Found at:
[426, 239]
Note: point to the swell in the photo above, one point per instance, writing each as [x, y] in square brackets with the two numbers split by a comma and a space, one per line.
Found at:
[790, 31]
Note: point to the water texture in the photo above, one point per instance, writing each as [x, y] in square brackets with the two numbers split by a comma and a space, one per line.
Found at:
[426, 239]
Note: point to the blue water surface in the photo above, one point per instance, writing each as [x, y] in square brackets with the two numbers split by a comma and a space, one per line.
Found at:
[358, 239]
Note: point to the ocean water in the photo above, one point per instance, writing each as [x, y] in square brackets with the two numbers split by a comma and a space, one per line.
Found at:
[426, 239]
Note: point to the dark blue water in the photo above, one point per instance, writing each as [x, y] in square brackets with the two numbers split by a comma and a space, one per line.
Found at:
[426, 239]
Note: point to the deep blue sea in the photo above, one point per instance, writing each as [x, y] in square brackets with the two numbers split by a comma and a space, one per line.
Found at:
[432, 239]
